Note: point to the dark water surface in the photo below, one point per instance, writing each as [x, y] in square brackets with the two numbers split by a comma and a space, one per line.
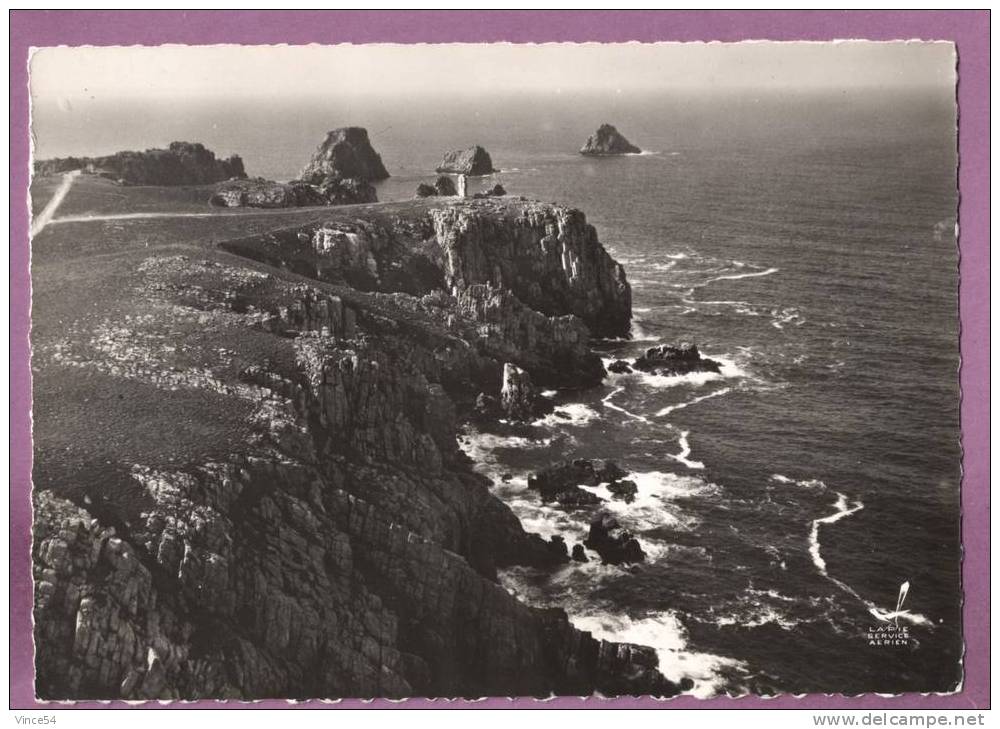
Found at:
[805, 241]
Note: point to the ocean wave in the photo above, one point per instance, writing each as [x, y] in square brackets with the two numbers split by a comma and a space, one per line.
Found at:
[811, 483]
[665, 634]
[790, 315]
[608, 404]
[655, 504]
[681, 405]
[482, 447]
[573, 414]
[682, 457]
[729, 369]
[844, 509]
[736, 276]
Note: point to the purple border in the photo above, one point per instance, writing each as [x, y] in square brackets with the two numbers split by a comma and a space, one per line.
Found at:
[968, 29]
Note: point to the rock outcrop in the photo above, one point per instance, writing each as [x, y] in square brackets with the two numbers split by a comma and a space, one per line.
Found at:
[345, 153]
[612, 541]
[474, 161]
[562, 483]
[443, 187]
[519, 398]
[608, 141]
[261, 193]
[182, 163]
[681, 359]
[547, 255]
[310, 529]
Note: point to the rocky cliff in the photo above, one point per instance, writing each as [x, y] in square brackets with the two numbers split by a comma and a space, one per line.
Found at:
[608, 140]
[283, 511]
[182, 163]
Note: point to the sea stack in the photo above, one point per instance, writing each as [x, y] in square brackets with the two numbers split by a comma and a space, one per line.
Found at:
[472, 161]
[607, 141]
[345, 153]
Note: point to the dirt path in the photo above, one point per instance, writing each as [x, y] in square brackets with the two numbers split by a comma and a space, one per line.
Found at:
[39, 222]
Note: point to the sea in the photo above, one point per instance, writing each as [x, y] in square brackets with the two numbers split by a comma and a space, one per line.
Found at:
[800, 510]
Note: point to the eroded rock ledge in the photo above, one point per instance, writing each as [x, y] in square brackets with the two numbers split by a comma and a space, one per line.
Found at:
[340, 545]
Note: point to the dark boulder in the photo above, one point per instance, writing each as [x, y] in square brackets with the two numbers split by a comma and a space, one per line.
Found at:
[607, 141]
[495, 191]
[671, 360]
[579, 553]
[345, 153]
[625, 490]
[347, 190]
[425, 190]
[445, 186]
[612, 541]
[562, 483]
[472, 161]
[619, 367]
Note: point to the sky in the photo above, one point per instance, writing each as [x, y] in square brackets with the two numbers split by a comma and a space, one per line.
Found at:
[68, 74]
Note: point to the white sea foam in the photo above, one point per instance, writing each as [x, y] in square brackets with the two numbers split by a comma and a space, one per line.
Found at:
[729, 369]
[641, 335]
[656, 501]
[572, 414]
[787, 316]
[735, 276]
[811, 483]
[481, 447]
[678, 256]
[688, 403]
[608, 404]
[843, 510]
[666, 635]
[682, 457]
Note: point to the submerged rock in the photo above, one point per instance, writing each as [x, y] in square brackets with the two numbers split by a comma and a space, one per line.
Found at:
[182, 163]
[612, 541]
[671, 360]
[620, 367]
[474, 161]
[562, 483]
[606, 141]
[345, 153]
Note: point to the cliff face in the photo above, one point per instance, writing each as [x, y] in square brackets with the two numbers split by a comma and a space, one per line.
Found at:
[319, 534]
[182, 163]
[345, 153]
[547, 255]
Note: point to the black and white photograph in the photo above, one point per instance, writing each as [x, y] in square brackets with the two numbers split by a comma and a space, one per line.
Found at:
[495, 370]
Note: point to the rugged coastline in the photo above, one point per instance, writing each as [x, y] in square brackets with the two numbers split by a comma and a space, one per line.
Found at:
[313, 529]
